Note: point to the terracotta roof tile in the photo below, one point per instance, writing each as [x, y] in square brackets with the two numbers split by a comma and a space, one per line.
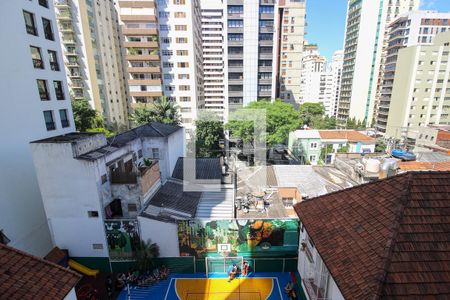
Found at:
[350, 135]
[418, 166]
[386, 239]
[23, 276]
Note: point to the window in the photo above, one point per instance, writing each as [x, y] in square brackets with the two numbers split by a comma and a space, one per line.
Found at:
[49, 123]
[183, 65]
[182, 52]
[93, 214]
[168, 76]
[312, 158]
[164, 27]
[58, 90]
[64, 118]
[97, 246]
[184, 88]
[235, 36]
[155, 153]
[53, 59]
[235, 9]
[182, 40]
[3, 239]
[185, 99]
[166, 40]
[43, 91]
[132, 207]
[183, 76]
[164, 14]
[180, 27]
[166, 52]
[43, 3]
[167, 64]
[29, 23]
[179, 2]
[36, 57]
[313, 145]
[266, 9]
[180, 14]
[48, 32]
[235, 23]
[104, 178]
[288, 201]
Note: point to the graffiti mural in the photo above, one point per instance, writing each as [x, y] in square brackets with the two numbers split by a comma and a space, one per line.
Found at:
[200, 238]
[123, 238]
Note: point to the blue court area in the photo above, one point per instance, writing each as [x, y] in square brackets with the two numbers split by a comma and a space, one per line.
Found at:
[196, 286]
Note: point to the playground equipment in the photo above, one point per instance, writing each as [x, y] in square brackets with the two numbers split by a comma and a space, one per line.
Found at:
[82, 269]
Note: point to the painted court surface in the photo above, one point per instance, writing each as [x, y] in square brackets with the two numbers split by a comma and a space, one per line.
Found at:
[260, 286]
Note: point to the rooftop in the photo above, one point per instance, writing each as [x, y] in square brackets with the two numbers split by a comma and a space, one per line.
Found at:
[385, 239]
[24, 276]
[350, 135]
[147, 130]
[307, 134]
[67, 138]
[418, 166]
[205, 168]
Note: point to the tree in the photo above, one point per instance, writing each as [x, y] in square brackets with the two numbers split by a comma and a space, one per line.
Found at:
[145, 254]
[162, 111]
[281, 118]
[209, 131]
[380, 146]
[352, 123]
[309, 111]
[323, 122]
[101, 130]
[85, 117]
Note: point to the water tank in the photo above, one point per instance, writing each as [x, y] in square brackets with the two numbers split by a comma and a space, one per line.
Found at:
[372, 165]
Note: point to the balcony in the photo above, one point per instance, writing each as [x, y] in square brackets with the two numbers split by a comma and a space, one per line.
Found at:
[265, 55]
[146, 94]
[235, 42]
[157, 82]
[61, 3]
[139, 57]
[235, 55]
[235, 69]
[266, 16]
[265, 69]
[140, 31]
[265, 42]
[264, 93]
[144, 70]
[235, 29]
[141, 44]
[267, 2]
[266, 29]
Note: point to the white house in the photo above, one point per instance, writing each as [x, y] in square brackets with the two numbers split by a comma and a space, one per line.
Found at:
[87, 180]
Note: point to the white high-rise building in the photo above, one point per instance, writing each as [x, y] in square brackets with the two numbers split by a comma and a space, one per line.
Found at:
[180, 37]
[35, 105]
[91, 46]
[367, 24]
[409, 29]
[214, 33]
[336, 75]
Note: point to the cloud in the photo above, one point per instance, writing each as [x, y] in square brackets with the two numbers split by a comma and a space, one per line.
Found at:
[428, 4]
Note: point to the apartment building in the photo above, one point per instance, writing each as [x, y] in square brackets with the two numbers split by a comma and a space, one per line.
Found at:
[252, 50]
[89, 33]
[114, 179]
[421, 89]
[180, 32]
[214, 41]
[35, 104]
[139, 29]
[291, 33]
[367, 22]
[336, 75]
[409, 29]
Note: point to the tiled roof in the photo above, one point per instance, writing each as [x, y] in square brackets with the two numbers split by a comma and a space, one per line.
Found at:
[350, 135]
[418, 166]
[205, 168]
[147, 130]
[386, 239]
[24, 276]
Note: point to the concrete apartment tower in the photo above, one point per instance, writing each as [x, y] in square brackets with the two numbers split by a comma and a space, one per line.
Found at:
[35, 105]
[180, 32]
[139, 29]
[89, 33]
[421, 90]
[336, 75]
[252, 50]
[214, 38]
[409, 29]
[291, 34]
[367, 24]
[313, 66]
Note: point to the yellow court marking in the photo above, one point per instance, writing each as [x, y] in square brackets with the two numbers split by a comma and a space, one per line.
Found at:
[220, 289]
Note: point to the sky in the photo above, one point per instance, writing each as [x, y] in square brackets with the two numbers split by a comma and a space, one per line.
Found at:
[326, 22]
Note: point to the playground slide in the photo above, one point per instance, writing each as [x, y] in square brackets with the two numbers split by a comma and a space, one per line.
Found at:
[82, 269]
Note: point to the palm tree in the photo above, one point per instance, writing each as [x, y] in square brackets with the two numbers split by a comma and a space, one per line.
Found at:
[145, 255]
[162, 111]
